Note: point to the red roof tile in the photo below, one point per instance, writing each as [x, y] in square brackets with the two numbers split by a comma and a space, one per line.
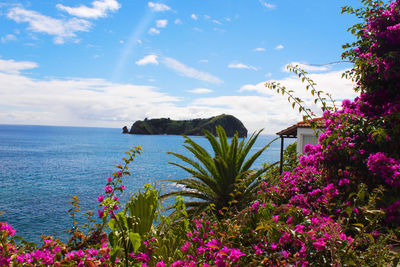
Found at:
[292, 130]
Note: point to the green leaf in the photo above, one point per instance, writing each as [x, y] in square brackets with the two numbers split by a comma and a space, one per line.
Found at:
[135, 240]
[112, 224]
[122, 220]
[348, 210]
[358, 225]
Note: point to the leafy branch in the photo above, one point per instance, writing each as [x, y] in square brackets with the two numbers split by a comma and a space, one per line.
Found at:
[302, 74]
[296, 101]
[280, 89]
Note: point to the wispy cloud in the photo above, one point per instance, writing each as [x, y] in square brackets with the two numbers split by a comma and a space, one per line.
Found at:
[194, 16]
[241, 66]
[190, 72]
[153, 31]
[200, 91]
[8, 38]
[279, 47]
[178, 21]
[266, 4]
[77, 101]
[60, 28]
[307, 67]
[150, 59]
[99, 9]
[14, 67]
[161, 23]
[216, 22]
[203, 61]
[158, 7]
[259, 49]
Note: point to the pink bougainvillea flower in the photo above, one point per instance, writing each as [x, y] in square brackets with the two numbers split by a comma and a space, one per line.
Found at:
[319, 245]
[235, 254]
[101, 213]
[185, 247]
[108, 189]
[100, 198]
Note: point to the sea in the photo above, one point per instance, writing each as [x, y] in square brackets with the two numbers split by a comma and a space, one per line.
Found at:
[43, 167]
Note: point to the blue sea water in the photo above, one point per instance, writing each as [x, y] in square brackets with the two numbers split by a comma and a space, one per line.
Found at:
[42, 167]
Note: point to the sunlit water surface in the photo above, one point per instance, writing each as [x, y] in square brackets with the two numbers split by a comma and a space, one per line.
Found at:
[42, 167]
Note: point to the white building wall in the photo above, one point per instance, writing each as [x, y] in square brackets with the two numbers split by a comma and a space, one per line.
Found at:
[306, 136]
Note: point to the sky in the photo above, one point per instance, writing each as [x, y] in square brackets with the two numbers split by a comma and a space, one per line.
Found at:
[108, 63]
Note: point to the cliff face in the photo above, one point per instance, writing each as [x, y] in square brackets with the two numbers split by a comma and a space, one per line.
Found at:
[189, 127]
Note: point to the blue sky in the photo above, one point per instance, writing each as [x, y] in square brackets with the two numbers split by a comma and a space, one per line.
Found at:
[107, 63]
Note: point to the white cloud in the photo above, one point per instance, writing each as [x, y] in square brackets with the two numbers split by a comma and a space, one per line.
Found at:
[190, 72]
[200, 91]
[150, 59]
[279, 47]
[92, 102]
[203, 61]
[77, 101]
[158, 7]
[241, 66]
[271, 110]
[99, 9]
[259, 49]
[269, 74]
[307, 67]
[217, 22]
[14, 67]
[266, 4]
[219, 30]
[194, 16]
[178, 21]
[161, 23]
[8, 37]
[153, 31]
[207, 17]
[60, 28]
[328, 82]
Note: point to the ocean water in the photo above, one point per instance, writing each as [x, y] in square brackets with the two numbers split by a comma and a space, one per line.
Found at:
[42, 167]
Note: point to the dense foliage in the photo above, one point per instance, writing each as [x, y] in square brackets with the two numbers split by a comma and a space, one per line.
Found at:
[338, 206]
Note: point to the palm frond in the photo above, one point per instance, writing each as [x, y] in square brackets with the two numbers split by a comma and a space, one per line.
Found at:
[250, 161]
[217, 180]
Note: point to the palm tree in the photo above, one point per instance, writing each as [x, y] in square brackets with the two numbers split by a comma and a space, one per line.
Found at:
[223, 180]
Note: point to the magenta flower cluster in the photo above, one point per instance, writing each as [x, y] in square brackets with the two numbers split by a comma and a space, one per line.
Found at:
[362, 139]
[387, 168]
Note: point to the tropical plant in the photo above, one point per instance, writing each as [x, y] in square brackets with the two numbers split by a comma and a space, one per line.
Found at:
[224, 180]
